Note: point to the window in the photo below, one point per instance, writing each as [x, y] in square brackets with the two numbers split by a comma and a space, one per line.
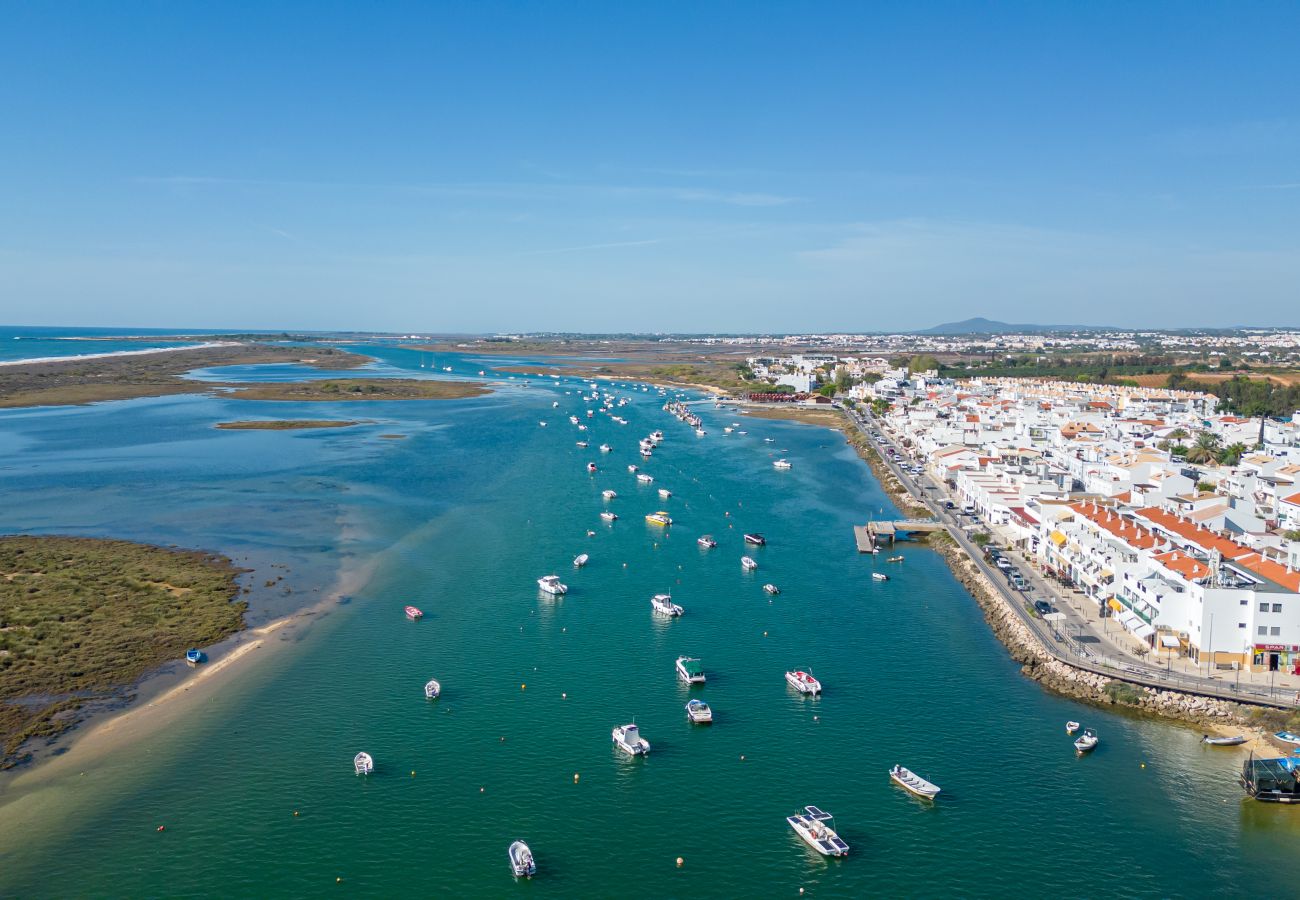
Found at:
[1241, 624]
[1275, 631]
[1263, 607]
[1277, 607]
[1263, 631]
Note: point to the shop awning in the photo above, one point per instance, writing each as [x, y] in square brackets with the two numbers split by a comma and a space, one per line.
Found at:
[1107, 573]
[1143, 630]
[1169, 641]
[1115, 605]
[1057, 538]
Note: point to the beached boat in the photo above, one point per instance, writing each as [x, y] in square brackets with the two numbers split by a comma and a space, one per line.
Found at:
[817, 829]
[551, 585]
[628, 739]
[781, 464]
[706, 541]
[521, 860]
[772, 589]
[756, 539]
[879, 576]
[803, 682]
[609, 495]
[644, 478]
[659, 518]
[413, 613]
[580, 560]
[432, 689]
[1072, 727]
[193, 656]
[363, 763]
[1287, 737]
[663, 605]
[665, 493]
[1224, 741]
[913, 782]
[690, 670]
[698, 712]
[609, 516]
[1087, 741]
[747, 563]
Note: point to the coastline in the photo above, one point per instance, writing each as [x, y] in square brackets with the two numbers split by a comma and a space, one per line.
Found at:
[81, 357]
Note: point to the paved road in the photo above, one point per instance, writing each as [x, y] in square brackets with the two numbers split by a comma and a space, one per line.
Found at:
[1076, 642]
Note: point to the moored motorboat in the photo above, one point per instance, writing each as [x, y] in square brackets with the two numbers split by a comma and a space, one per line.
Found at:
[644, 478]
[363, 763]
[1071, 727]
[413, 613]
[817, 829]
[193, 656]
[772, 589]
[605, 448]
[551, 585]
[591, 467]
[665, 493]
[521, 860]
[609, 495]
[756, 539]
[541, 424]
[1224, 741]
[432, 689]
[781, 464]
[803, 682]
[659, 518]
[879, 576]
[747, 563]
[698, 712]
[663, 605]
[912, 782]
[583, 444]
[631, 468]
[1087, 741]
[690, 670]
[706, 541]
[894, 559]
[628, 739]
[609, 516]
[580, 560]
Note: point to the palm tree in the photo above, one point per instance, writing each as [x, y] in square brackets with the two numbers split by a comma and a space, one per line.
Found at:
[1232, 454]
[1205, 448]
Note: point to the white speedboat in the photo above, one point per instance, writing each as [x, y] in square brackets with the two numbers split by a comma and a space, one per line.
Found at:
[1087, 741]
[628, 739]
[631, 468]
[573, 420]
[609, 516]
[781, 464]
[913, 782]
[609, 495]
[541, 424]
[727, 430]
[432, 689]
[665, 493]
[644, 478]
[657, 437]
[521, 860]
[606, 448]
[363, 763]
[706, 541]
[646, 453]
[756, 539]
[583, 444]
[772, 589]
[747, 563]
[659, 518]
[663, 605]
[817, 829]
[551, 585]
[880, 576]
[803, 682]
[769, 440]
[698, 712]
[690, 670]
[1071, 727]
[580, 560]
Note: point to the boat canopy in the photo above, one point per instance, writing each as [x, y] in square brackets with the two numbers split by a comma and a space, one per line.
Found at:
[692, 667]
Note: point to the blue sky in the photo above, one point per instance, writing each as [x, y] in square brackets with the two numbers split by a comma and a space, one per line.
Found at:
[657, 167]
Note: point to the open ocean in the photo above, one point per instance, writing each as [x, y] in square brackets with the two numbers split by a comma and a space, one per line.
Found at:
[460, 517]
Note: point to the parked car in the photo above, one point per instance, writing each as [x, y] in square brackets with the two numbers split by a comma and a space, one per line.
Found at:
[1003, 563]
[1018, 582]
[1043, 607]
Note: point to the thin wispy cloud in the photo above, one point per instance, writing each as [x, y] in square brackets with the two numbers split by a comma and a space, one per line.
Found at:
[606, 246]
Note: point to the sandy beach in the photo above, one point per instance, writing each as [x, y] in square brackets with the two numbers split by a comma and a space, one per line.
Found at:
[83, 356]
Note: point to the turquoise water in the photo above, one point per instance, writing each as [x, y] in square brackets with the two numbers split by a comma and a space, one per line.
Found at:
[460, 518]
[39, 343]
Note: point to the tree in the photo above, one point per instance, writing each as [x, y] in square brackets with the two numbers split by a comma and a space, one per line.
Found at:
[923, 362]
[827, 390]
[1178, 434]
[1232, 454]
[879, 407]
[980, 538]
[1205, 448]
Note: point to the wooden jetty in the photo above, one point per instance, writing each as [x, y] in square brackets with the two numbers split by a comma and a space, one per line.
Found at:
[870, 535]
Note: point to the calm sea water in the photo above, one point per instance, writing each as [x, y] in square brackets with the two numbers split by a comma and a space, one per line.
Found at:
[460, 518]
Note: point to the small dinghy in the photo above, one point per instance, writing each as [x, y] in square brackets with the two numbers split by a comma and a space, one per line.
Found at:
[609, 495]
[880, 576]
[413, 613]
[521, 860]
[363, 763]
[193, 656]
[772, 589]
[432, 689]
[1071, 727]
[1224, 741]
[914, 783]
[1287, 737]
[1087, 741]
[580, 560]
[591, 467]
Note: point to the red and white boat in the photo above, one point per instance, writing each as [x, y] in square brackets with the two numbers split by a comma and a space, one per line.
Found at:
[803, 682]
[413, 613]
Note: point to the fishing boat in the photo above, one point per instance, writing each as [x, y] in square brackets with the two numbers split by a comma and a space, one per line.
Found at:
[879, 576]
[747, 563]
[628, 739]
[551, 585]
[1224, 741]
[698, 712]
[756, 539]
[608, 516]
[1087, 741]
[706, 541]
[193, 656]
[644, 478]
[659, 518]
[580, 560]
[772, 589]
[1287, 737]
[665, 493]
[432, 689]
[521, 860]
[912, 782]
[663, 605]
[609, 495]
[631, 468]
[363, 763]
[803, 682]
[412, 613]
[690, 670]
[591, 467]
[817, 829]
[781, 464]
[1072, 727]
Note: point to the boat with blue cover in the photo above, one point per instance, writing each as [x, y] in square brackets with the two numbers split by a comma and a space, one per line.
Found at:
[193, 656]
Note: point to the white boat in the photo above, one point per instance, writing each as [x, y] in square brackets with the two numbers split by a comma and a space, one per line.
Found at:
[701, 432]
[913, 782]
[583, 444]
[609, 495]
[880, 576]
[644, 478]
[727, 430]
[554, 403]
[628, 739]
[573, 420]
[769, 440]
[803, 682]
[817, 829]
[657, 436]
[706, 541]
[582, 427]
[609, 516]
[1224, 741]
[663, 605]
[605, 448]
[363, 763]
[665, 493]
[591, 467]
[659, 518]
[580, 560]
[1087, 741]
[432, 689]
[1071, 727]
[781, 464]
[689, 670]
[646, 453]
[551, 585]
[772, 589]
[747, 563]
[698, 712]
[541, 424]
[631, 468]
[521, 860]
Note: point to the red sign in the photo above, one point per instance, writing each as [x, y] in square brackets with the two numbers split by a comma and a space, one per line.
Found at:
[1272, 647]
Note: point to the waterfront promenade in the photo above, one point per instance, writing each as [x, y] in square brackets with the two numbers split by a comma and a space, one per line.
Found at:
[1081, 638]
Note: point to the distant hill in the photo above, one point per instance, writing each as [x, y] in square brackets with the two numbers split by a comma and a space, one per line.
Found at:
[980, 325]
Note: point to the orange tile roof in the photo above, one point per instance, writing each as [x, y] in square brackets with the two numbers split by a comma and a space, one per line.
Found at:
[1186, 566]
[1293, 499]
[1127, 530]
[1240, 554]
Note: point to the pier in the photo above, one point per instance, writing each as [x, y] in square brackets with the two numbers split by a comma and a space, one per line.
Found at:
[867, 535]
